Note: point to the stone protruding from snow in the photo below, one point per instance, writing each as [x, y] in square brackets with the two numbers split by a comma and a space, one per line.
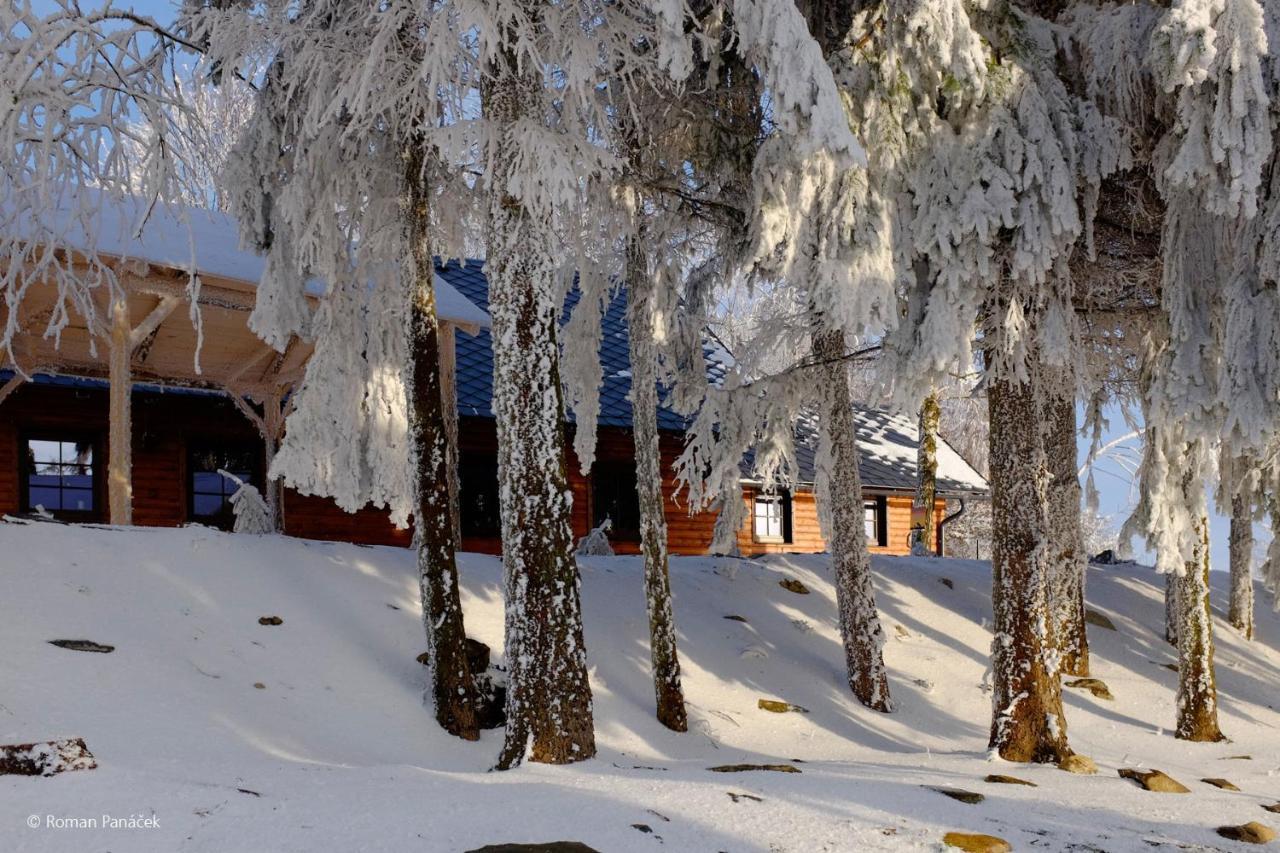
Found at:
[270, 620]
[959, 794]
[1274, 808]
[1096, 686]
[1076, 763]
[83, 646]
[1154, 780]
[548, 847]
[1250, 833]
[45, 759]
[775, 706]
[1001, 779]
[1093, 617]
[973, 842]
[793, 585]
[1221, 783]
[743, 768]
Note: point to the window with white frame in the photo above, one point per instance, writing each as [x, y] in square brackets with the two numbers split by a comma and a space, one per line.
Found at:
[771, 517]
[873, 512]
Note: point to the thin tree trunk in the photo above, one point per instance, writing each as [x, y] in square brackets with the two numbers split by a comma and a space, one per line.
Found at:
[927, 469]
[1028, 723]
[453, 688]
[1171, 608]
[1197, 687]
[1240, 613]
[860, 627]
[1065, 545]
[653, 522]
[549, 716]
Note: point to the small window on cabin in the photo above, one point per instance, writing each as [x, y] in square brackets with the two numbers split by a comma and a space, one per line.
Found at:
[478, 495]
[60, 475]
[771, 517]
[210, 491]
[873, 511]
[614, 496]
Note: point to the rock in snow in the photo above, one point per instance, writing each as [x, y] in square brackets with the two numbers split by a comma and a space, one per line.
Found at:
[1155, 780]
[776, 707]
[1250, 833]
[970, 797]
[1093, 617]
[1095, 686]
[1081, 764]
[973, 842]
[45, 759]
[1001, 779]
[82, 646]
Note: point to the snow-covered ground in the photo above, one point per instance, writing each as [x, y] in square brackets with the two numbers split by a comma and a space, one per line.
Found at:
[335, 751]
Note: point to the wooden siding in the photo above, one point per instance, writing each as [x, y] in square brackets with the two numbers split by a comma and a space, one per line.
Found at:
[165, 424]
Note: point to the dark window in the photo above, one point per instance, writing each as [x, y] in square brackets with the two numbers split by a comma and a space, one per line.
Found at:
[210, 491]
[613, 496]
[771, 517]
[874, 511]
[60, 475]
[478, 498]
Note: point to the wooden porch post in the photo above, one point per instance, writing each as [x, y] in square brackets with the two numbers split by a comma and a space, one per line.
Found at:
[449, 399]
[120, 452]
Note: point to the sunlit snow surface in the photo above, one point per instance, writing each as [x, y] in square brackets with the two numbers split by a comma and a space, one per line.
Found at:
[344, 756]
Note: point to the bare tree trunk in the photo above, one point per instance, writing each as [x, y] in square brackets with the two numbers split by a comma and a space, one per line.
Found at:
[927, 469]
[1197, 687]
[1028, 723]
[841, 492]
[549, 716]
[1240, 613]
[1065, 546]
[453, 688]
[653, 522]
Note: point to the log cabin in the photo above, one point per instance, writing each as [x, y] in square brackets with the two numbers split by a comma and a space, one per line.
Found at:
[114, 421]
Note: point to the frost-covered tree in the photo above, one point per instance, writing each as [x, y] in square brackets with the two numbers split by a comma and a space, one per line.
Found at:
[91, 114]
[331, 181]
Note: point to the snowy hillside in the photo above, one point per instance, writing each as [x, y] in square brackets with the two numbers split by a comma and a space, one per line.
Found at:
[311, 735]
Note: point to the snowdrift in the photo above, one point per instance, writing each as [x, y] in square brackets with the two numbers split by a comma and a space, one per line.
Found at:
[311, 735]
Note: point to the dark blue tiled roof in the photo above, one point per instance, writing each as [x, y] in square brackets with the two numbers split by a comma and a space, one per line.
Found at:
[886, 442]
[475, 355]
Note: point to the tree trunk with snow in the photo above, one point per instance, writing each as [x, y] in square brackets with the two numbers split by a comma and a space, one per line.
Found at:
[653, 522]
[860, 628]
[1240, 612]
[927, 468]
[1172, 608]
[1197, 687]
[453, 688]
[1028, 723]
[549, 717]
[1068, 561]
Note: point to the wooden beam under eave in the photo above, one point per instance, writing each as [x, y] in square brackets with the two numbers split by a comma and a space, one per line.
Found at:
[120, 431]
[144, 334]
[12, 385]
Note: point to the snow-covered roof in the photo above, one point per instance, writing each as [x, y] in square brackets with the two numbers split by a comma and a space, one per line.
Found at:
[886, 442]
[185, 238]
